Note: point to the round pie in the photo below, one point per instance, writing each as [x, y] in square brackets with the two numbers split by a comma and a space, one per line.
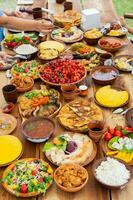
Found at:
[77, 114]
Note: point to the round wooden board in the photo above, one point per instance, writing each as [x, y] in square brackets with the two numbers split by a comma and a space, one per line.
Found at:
[104, 147]
[31, 194]
[11, 119]
[89, 159]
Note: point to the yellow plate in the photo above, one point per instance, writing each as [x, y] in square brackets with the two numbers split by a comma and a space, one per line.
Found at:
[10, 149]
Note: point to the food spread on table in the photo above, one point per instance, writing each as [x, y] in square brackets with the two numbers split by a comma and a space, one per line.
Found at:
[63, 62]
[13, 40]
[119, 143]
[26, 68]
[111, 97]
[28, 177]
[67, 35]
[10, 149]
[39, 102]
[77, 114]
[69, 148]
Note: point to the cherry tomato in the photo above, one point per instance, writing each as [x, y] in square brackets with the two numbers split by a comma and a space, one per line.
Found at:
[118, 133]
[23, 188]
[40, 179]
[34, 172]
[111, 130]
[107, 136]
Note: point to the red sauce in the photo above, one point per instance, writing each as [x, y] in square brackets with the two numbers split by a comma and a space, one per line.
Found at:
[39, 128]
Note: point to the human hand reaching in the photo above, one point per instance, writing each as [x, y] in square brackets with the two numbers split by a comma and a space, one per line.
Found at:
[44, 26]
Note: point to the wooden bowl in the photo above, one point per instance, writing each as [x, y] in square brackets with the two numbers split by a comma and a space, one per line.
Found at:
[75, 189]
[98, 162]
[111, 39]
[59, 84]
[37, 139]
[24, 89]
[105, 69]
[91, 41]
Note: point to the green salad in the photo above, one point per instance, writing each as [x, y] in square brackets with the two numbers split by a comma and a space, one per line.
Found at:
[28, 176]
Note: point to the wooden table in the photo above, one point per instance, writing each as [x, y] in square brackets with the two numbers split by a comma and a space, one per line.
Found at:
[92, 190]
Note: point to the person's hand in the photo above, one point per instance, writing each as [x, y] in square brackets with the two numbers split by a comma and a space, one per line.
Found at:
[4, 56]
[123, 22]
[44, 26]
[17, 14]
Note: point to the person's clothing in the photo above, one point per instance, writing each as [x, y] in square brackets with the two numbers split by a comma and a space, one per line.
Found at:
[1, 29]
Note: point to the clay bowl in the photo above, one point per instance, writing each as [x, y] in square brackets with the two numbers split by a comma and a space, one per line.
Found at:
[104, 69]
[33, 123]
[69, 91]
[111, 40]
[90, 41]
[24, 89]
[129, 117]
[98, 162]
[75, 189]
[7, 108]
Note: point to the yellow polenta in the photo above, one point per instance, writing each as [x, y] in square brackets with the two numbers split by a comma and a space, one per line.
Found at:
[110, 97]
[10, 148]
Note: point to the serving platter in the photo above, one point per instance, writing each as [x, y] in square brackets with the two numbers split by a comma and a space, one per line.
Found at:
[29, 105]
[86, 162]
[25, 194]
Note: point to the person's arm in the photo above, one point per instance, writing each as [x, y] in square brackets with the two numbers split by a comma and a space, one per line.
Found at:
[14, 13]
[123, 22]
[26, 25]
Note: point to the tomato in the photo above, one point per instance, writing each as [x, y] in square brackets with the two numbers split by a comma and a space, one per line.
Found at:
[107, 136]
[128, 128]
[111, 130]
[34, 172]
[118, 133]
[40, 180]
[23, 188]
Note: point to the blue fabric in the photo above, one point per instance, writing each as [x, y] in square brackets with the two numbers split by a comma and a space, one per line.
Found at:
[1, 29]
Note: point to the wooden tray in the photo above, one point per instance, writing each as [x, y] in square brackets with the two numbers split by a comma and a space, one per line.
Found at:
[104, 147]
[30, 194]
[89, 159]
[8, 117]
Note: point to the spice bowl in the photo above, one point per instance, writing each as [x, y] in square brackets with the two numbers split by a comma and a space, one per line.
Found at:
[100, 161]
[96, 129]
[38, 129]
